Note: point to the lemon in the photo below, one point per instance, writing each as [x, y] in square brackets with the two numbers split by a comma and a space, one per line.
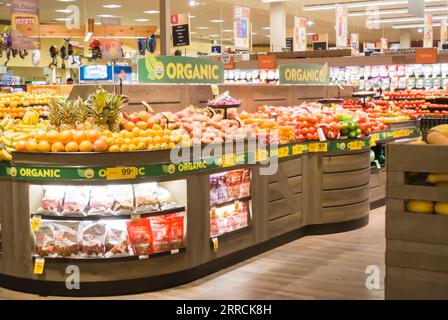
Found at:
[420, 206]
[441, 208]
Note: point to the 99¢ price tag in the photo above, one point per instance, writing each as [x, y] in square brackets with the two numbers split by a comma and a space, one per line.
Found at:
[121, 173]
[229, 160]
[215, 89]
[318, 147]
[39, 266]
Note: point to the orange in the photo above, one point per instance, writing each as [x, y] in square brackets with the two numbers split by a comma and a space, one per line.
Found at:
[71, 147]
[79, 136]
[41, 135]
[100, 145]
[93, 135]
[114, 148]
[31, 145]
[57, 147]
[124, 148]
[66, 136]
[85, 146]
[43, 146]
[53, 136]
[21, 146]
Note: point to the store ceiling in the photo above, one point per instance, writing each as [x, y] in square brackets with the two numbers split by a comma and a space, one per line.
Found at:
[132, 12]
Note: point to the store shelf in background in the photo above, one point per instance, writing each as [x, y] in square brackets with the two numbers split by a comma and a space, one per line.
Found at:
[117, 217]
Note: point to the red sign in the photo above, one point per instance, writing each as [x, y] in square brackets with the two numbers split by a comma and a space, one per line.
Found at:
[425, 56]
[266, 62]
[174, 19]
[229, 62]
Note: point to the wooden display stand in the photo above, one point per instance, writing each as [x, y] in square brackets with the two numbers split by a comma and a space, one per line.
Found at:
[417, 244]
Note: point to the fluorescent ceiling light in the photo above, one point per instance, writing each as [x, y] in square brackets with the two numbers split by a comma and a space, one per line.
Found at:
[420, 30]
[254, 33]
[380, 12]
[214, 35]
[310, 23]
[97, 23]
[193, 32]
[192, 17]
[66, 0]
[266, 28]
[112, 6]
[63, 10]
[217, 21]
[62, 19]
[152, 12]
[363, 4]
[106, 16]
[413, 26]
[193, 3]
[202, 28]
[227, 30]
[411, 19]
[142, 20]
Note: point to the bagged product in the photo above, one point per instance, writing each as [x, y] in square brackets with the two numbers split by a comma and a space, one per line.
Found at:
[145, 197]
[117, 240]
[213, 190]
[45, 246]
[140, 234]
[91, 239]
[51, 203]
[66, 239]
[176, 235]
[242, 215]
[166, 200]
[123, 198]
[160, 228]
[245, 184]
[101, 201]
[76, 201]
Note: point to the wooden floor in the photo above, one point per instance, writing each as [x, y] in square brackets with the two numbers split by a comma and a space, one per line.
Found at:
[314, 267]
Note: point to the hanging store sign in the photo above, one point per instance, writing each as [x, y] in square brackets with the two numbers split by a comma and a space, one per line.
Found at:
[180, 27]
[341, 25]
[290, 44]
[354, 42]
[426, 56]
[428, 39]
[384, 44]
[24, 12]
[300, 34]
[111, 49]
[304, 74]
[176, 69]
[444, 31]
[241, 29]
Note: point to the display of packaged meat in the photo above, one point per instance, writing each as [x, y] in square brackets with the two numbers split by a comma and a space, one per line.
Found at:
[146, 197]
[51, 203]
[76, 200]
[92, 237]
[101, 201]
[44, 240]
[160, 228]
[117, 240]
[140, 235]
[123, 198]
[66, 239]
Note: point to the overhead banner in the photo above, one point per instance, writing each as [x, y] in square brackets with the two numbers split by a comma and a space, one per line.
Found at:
[341, 25]
[24, 12]
[444, 31]
[304, 74]
[428, 39]
[111, 49]
[354, 41]
[177, 69]
[416, 8]
[300, 34]
[384, 44]
[180, 26]
[241, 29]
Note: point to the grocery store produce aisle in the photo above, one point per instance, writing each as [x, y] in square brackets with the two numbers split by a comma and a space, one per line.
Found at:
[314, 267]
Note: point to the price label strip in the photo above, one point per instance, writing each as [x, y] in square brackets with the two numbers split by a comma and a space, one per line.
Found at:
[135, 217]
[35, 223]
[283, 152]
[297, 149]
[375, 138]
[39, 265]
[318, 147]
[261, 155]
[121, 173]
[355, 145]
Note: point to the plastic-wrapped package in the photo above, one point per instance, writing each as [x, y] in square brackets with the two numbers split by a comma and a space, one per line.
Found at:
[117, 240]
[76, 201]
[51, 203]
[92, 237]
[66, 239]
[146, 198]
[166, 200]
[245, 183]
[177, 221]
[140, 234]
[45, 246]
[160, 227]
[123, 198]
[101, 201]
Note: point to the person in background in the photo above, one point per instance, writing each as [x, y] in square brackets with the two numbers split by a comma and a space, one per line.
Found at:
[70, 81]
[178, 52]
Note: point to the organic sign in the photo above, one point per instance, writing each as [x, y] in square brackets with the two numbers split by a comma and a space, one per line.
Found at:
[24, 12]
[304, 74]
[176, 69]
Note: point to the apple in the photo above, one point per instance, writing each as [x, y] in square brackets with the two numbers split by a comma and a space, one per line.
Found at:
[142, 125]
[144, 116]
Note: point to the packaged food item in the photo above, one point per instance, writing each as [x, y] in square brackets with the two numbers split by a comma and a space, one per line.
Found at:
[66, 239]
[92, 237]
[101, 201]
[242, 215]
[45, 246]
[177, 223]
[166, 200]
[160, 227]
[140, 234]
[245, 183]
[218, 193]
[117, 240]
[76, 201]
[123, 198]
[145, 197]
[51, 203]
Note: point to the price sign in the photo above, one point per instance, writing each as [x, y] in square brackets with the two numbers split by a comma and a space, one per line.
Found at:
[35, 223]
[375, 138]
[401, 133]
[283, 152]
[261, 155]
[318, 147]
[175, 251]
[298, 149]
[143, 257]
[39, 266]
[121, 173]
[215, 89]
[135, 217]
[355, 145]
[215, 243]
[228, 160]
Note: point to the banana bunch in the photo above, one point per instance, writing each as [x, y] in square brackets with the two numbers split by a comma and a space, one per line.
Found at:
[8, 142]
[21, 127]
[31, 117]
[7, 124]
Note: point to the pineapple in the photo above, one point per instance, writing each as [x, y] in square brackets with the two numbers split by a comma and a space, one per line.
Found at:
[84, 120]
[105, 110]
[63, 114]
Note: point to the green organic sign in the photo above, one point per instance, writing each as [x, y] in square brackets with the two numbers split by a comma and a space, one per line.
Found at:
[166, 69]
[304, 74]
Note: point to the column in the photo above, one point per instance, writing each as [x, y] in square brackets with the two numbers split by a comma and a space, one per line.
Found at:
[405, 38]
[278, 26]
[165, 28]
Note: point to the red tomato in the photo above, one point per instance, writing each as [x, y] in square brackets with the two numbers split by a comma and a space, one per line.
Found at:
[309, 137]
[312, 130]
[316, 136]
[304, 131]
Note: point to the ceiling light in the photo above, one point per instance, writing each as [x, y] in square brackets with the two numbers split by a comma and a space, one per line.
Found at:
[63, 11]
[142, 20]
[362, 4]
[310, 23]
[202, 28]
[420, 30]
[193, 3]
[380, 12]
[411, 19]
[66, 0]
[106, 16]
[151, 11]
[413, 26]
[227, 30]
[214, 35]
[192, 17]
[217, 21]
[97, 23]
[266, 28]
[62, 19]
[112, 6]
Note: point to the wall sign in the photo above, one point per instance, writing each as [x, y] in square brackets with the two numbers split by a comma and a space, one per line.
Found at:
[304, 74]
[176, 69]
[111, 49]
[241, 29]
[426, 56]
[266, 62]
[24, 12]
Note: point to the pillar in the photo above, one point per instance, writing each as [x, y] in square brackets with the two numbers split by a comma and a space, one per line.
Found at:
[165, 28]
[278, 25]
[405, 38]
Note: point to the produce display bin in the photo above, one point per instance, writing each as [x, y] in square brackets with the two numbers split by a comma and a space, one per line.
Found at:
[417, 243]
